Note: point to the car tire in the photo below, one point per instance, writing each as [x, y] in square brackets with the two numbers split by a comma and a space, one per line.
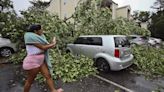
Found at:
[158, 46]
[102, 65]
[6, 52]
[68, 51]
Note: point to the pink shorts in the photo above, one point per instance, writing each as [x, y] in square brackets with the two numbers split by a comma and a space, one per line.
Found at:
[33, 61]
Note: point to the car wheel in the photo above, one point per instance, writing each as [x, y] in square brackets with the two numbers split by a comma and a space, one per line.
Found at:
[68, 51]
[157, 45]
[6, 52]
[102, 65]
[148, 44]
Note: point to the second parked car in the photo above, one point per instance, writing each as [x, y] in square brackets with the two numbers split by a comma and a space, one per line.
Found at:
[110, 52]
[138, 39]
[7, 48]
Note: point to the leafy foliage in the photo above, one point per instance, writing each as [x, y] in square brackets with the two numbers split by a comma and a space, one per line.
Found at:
[51, 24]
[18, 58]
[142, 16]
[71, 68]
[150, 61]
[39, 4]
[5, 4]
[159, 5]
[7, 16]
[156, 26]
[91, 19]
[67, 67]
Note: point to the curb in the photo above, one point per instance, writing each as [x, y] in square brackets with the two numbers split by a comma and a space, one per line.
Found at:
[113, 83]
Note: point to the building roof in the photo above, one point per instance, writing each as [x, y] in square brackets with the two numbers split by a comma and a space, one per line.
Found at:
[114, 2]
[126, 6]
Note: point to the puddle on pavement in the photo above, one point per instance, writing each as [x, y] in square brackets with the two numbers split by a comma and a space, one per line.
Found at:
[151, 84]
[135, 82]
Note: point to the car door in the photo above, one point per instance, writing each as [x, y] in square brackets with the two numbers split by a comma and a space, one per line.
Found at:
[93, 46]
[78, 44]
[4, 42]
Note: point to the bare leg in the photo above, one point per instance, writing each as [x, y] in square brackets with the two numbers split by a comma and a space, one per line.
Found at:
[30, 78]
[45, 72]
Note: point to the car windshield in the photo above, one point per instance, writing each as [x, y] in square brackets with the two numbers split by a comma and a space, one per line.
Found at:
[121, 42]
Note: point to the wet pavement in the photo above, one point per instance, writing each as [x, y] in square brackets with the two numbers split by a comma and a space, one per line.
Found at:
[12, 80]
[135, 82]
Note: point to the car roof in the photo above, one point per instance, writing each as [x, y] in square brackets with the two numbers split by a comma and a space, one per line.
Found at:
[136, 35]
[102, 36]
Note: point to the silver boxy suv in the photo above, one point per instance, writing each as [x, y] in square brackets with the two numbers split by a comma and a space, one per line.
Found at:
[110, 52]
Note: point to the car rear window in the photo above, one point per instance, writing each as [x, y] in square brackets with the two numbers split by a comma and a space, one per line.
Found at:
[121, 42]
[144, 37]
[131, 38]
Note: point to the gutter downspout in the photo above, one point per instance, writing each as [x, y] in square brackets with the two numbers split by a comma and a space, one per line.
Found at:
[60, 9]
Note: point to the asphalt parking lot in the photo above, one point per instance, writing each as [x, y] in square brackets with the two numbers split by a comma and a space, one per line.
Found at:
[12, 80]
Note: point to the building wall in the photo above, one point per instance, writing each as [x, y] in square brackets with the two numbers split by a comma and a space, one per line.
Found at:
[144, 25]
[68, 8]
[123, 12]
[65, 8]
[114, 12]
[54, 7]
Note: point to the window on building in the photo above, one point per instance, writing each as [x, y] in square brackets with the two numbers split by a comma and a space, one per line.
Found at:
[128, 14]
[65, 1]
[65, 16]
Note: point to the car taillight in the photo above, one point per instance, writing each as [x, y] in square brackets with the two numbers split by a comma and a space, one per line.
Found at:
[117, 53]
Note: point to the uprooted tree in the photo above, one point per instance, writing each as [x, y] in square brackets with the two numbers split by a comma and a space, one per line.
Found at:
[88, 18]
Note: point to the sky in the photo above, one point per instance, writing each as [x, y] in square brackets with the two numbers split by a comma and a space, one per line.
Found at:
[21, 4]
[142, 5]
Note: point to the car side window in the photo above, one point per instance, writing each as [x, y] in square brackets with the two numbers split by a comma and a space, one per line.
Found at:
[81, 40]
[134, 37]
[144, 37]
[95, 41]
[89, 41]
[131, 37]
